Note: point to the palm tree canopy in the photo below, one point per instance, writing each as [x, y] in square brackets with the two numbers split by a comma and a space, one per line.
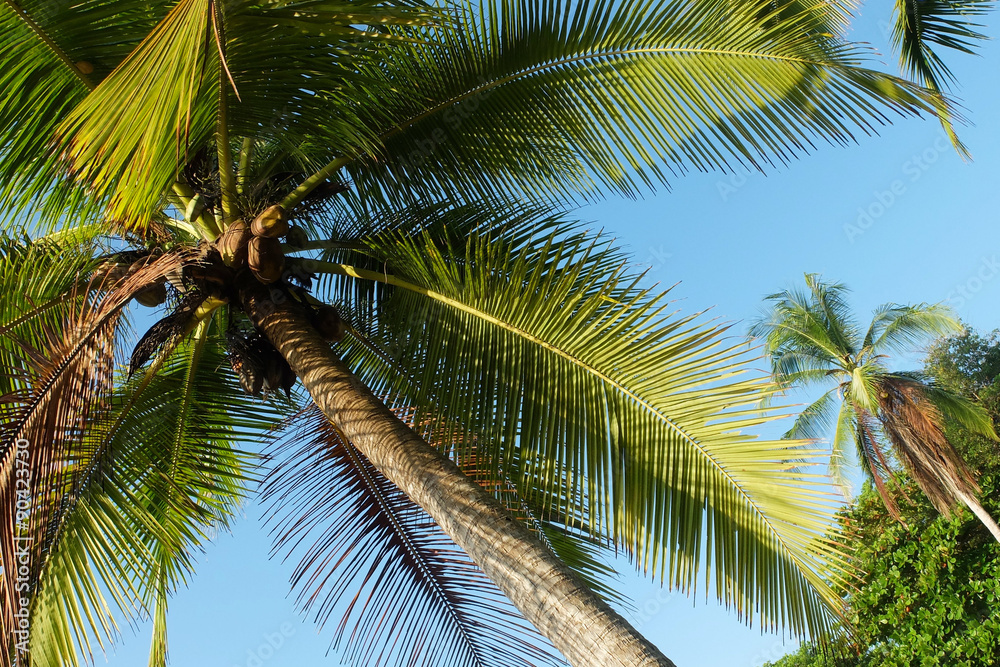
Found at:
[539, 97]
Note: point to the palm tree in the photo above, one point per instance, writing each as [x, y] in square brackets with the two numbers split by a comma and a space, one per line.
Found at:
[162, 148]
[812, 338]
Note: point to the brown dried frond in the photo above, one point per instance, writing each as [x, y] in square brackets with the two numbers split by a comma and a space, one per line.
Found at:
[913, 425]
[165, 330]
[62, 392]
[876, 462]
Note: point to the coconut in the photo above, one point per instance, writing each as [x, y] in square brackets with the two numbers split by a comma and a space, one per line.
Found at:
[328, 323]
[265, 259]
[153, 295]
[271, 224]
[232, 245]
[277, 373]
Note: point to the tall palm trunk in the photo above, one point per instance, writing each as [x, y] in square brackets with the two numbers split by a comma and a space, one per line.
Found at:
[580, 624]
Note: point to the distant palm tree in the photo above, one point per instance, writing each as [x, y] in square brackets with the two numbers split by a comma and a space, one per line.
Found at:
[812, 338]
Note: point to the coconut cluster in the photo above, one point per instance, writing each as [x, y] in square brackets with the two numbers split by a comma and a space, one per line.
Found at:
[256, 245]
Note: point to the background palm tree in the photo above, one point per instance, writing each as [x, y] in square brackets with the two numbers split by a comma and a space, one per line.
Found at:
[520, 348]
[812, 338]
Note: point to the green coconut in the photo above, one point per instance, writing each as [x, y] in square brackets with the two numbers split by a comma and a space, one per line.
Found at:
[271, 224]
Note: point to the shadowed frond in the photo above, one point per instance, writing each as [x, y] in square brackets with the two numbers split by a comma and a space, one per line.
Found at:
[623, 417]
[922, 25]
[407, 594]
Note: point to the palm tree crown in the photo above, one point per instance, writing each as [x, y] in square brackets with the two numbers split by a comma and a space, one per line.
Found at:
[812, 338]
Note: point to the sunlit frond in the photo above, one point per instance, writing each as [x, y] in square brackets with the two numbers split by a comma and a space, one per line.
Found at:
[896, 328]
[131, 152]
[554, 99]
[625, 418]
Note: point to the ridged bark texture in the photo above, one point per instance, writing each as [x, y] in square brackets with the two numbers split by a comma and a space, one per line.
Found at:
[580, 624]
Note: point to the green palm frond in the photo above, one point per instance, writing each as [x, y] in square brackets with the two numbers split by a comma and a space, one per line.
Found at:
[58, 381]
[829, 301]
[842, 448]
[40, 281]
[626, 419]
[303, 70]
[814, 422]
[557, 98]
[407, 594]
[159, 473]
[297, 66]
[921, 26]
[132, 152]
[805, 326]
[862, 387]
[36, 95]
[896, 328]
[798, 367]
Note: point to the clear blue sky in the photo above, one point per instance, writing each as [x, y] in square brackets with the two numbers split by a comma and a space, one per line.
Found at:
[729, 242]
